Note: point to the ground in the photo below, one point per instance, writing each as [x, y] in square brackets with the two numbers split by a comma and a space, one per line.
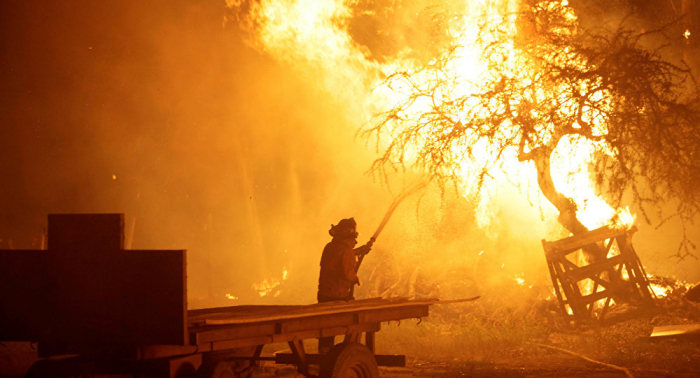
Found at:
[548, 365]
[667, 359]
[529, 346]
[472, 342]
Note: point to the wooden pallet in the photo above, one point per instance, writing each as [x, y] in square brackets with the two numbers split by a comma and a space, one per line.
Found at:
[586, 291]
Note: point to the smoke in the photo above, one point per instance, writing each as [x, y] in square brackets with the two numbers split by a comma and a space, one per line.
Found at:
[163, 112]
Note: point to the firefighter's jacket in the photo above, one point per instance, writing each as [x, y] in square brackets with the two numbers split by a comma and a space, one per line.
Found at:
[338, 262]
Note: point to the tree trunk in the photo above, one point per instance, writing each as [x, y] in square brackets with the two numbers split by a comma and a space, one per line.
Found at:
[565, 205]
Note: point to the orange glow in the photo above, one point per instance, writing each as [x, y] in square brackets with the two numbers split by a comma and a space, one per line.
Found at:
[268, 285]
[316, 33]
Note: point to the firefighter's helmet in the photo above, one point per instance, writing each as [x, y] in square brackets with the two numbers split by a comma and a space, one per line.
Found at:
[346, 228]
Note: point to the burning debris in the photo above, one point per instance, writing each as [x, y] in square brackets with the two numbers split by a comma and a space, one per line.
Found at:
[587, 292]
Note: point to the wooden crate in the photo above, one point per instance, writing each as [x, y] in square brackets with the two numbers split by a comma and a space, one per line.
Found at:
[586, 290]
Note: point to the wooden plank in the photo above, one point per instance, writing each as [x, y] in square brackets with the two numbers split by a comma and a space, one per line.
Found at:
[198, 315]
[240, 331]
[335, 331]
[314, 322]
[594, 297]
[587, 271]
[324, 332]
[240, 343]
[227, 333]
[676, 331]
[303, 335]
[245, 310]
[570, 244]
[297, 347]
[225, 344]
[384, 315]
[319, 311]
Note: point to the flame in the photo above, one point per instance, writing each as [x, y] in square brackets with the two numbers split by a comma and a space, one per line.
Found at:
[658, 290]
[267, 285]
[229, 296]
[315, 33]
[663, 286]
[686, 34]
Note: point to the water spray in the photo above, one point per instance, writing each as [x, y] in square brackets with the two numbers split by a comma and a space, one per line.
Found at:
[407, 191]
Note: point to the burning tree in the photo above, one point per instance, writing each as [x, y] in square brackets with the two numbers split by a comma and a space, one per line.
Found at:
[536, 83]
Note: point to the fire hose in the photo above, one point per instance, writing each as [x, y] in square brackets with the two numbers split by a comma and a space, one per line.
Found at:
[404, 193]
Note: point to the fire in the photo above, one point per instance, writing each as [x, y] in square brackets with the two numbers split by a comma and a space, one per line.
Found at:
[664, 286]
[315, 33]
[268, 285]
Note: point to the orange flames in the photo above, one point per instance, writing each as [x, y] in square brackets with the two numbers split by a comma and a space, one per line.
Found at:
[268, 285]
[315, 34]
[314, 37]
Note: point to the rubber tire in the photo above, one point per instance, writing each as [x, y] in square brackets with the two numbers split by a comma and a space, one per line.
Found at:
[216, 369]
[348, 360]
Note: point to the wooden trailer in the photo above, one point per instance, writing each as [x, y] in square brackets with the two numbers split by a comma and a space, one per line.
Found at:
[94, 309]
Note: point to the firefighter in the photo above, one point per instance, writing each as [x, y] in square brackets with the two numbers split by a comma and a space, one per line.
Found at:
[338, 268]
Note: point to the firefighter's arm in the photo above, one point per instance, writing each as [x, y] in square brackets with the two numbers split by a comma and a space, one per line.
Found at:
[349, 262]
[363, 250]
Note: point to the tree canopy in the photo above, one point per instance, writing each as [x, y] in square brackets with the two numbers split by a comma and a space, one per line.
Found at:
[546, 80]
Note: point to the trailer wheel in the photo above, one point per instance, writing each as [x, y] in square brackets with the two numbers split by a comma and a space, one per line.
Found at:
[349, 360]
[215, 369]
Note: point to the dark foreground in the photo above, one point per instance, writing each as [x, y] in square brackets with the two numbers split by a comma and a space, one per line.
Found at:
[623, 349]
[549, 366]
[663, 359]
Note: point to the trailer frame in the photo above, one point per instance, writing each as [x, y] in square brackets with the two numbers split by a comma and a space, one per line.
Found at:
[94, 308]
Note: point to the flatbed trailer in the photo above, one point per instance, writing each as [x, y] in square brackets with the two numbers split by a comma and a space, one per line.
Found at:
[94, 309]
[228, 341]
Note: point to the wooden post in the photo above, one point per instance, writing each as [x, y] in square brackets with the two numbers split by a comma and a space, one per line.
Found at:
[369, 340]
[297, 348]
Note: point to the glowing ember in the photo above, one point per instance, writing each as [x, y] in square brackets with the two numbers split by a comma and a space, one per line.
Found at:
[267, 286]
[664, 286]
[659, 291]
